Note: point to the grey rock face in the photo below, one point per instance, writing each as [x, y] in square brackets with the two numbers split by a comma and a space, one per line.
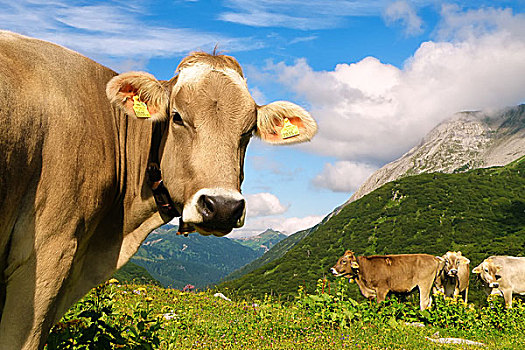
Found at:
[468, 140]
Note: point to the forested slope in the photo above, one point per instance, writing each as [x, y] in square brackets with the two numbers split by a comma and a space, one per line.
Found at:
[481, 213]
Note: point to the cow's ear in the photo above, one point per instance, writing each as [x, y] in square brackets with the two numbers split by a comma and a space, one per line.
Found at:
[465, 261]
[354, 265]
[458, 252]
[283, 122]
[440, 258]
[477, 269]
[138, 94]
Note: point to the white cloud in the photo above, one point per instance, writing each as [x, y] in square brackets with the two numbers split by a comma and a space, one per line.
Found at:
[372, 112]
[254, 226]
[298, 14]
[463, 26]
[258, 96]
[403, 12]
[109, 32]
[263, 204]
[343, 176]
[302, 39]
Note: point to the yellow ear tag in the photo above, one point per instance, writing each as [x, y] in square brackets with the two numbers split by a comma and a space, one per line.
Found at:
[289, 130]
[140, 108]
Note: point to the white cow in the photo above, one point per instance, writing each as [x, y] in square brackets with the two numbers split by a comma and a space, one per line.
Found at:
[503, 275]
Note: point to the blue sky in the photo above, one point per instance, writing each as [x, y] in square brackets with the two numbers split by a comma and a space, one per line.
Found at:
[376, 74]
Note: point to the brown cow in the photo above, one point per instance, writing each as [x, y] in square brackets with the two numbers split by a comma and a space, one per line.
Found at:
[454, 278]
[377, 275]
[75, 198]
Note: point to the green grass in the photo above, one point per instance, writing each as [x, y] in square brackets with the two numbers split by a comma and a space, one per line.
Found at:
[132, 317]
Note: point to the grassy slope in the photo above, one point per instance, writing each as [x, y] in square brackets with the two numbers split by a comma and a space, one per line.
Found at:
[133, 273]
[201, 321]
[481, 213]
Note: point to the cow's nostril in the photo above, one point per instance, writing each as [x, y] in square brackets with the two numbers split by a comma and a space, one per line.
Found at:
[238, 210]
[207, 207]
[209, 204]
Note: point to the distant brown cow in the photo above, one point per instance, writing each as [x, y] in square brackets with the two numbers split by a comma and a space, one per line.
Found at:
[377, 275]
[76, 142]
[454, 278]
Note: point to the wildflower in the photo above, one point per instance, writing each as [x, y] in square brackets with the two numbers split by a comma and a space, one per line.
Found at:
[169, 315]
[139, 290]
[113, 281]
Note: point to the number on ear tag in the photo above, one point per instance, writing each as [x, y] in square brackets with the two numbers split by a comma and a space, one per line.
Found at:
[289, 130]
[140, 108]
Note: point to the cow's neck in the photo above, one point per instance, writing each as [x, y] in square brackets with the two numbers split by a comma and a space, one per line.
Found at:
[140, 215]
[361, 279]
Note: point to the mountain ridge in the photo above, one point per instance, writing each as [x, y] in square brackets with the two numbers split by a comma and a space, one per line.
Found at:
[467, 140]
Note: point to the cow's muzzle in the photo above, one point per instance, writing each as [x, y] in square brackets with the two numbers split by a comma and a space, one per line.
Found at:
[215, 211]
[340, 274]
[494, 285]
[453, 272]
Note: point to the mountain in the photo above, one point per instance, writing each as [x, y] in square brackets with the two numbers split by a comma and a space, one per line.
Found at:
[276, 252]
[133, 273]
[480, 212]
[199, 260]
[468, 140]
[263, 241]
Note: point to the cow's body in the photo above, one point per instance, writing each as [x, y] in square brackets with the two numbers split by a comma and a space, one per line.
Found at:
[504, 275]
[75, 203]
[454, 278]
[379, 274]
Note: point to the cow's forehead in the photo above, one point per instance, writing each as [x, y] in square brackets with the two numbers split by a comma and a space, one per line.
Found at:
[451, 255]
[194, 73]
[488, 264]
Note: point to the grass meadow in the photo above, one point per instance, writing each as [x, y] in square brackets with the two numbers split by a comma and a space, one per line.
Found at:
[115, 316]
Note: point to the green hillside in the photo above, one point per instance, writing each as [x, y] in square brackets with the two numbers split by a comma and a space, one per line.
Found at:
[176, 260]
[481, 212]
[133, 273]
[277, 251]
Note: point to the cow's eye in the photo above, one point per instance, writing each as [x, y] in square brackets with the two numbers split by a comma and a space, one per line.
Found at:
[486, 270]
[176, 118]
[344, 261]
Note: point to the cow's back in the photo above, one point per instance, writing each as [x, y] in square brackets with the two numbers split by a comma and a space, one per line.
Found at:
[56, 130]
[399, 273]
[512, 272]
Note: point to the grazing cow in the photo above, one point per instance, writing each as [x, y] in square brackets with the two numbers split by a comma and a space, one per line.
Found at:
[377, 275]
[504, 275]
[76, 142]
[454, 278]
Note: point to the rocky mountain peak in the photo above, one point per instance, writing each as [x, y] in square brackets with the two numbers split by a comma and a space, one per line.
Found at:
[467, 140]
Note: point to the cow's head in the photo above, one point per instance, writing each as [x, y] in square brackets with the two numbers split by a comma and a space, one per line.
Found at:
[346, 266]
[452, 262]
[489, 272]
[211, 117]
